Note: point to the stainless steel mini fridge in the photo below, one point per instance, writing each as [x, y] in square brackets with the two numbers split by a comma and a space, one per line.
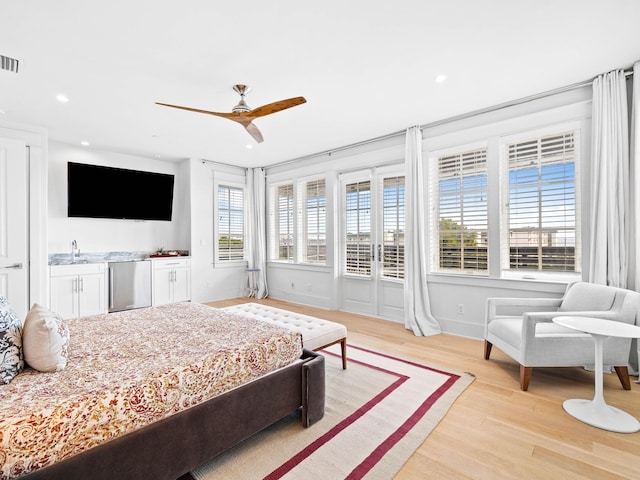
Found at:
[129, 285]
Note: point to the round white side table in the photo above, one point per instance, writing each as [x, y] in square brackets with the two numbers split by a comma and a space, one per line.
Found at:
[596, 412]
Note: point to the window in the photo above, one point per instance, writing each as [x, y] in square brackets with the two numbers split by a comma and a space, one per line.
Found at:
[298, 221]
[393, 227]
[459, 196]
[314, 231]
[230, 210]
[539, 212]
[358, 228]
[284, 221]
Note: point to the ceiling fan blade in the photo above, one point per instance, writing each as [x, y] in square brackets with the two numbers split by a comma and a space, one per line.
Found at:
[218, 114]
[254, 132]
[275, 107]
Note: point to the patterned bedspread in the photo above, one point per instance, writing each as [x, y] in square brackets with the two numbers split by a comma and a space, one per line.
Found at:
[128, 369]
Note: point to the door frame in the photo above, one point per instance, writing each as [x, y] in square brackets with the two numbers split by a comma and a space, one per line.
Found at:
[371, 295]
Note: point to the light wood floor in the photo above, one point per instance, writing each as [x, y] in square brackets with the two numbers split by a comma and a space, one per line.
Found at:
[494, 430]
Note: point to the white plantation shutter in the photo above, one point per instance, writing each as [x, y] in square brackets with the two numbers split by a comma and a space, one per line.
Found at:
[393, 198]
[313, 208]
[284, 221]
[358, 228]
[230, 223]
[460, 192]
[540, 209]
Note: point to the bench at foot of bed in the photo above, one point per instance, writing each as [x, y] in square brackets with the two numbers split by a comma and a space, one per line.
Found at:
[317, 333]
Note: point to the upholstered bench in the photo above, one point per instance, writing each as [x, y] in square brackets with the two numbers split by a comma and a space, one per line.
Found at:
[316, 332]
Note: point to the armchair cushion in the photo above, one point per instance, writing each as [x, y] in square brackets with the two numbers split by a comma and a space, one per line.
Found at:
[587, 296]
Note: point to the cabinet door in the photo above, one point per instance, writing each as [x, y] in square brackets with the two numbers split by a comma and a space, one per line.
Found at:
[91, 295]
[181, 285]
[162, 286]
[64, 295]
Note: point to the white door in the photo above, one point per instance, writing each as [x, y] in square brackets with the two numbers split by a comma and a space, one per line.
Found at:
[372, 279]
[14, 193]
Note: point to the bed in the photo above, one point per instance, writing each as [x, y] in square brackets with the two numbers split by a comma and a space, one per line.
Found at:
[154, 392]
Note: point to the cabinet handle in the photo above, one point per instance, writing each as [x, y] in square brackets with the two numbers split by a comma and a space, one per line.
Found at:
[81, 284]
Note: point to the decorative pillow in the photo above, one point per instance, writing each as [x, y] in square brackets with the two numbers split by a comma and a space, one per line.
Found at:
[11, 357]
[45, 340]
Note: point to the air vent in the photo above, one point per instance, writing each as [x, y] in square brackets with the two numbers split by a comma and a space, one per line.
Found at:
[8, 63]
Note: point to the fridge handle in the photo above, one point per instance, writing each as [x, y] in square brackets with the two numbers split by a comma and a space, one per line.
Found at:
[110, 270]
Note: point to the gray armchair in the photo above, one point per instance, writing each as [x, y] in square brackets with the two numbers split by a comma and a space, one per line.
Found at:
[523, 329]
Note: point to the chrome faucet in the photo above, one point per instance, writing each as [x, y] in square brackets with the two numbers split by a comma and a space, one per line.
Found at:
[74, 247]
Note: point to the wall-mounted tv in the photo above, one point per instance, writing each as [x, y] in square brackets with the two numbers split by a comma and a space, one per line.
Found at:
[105, 192]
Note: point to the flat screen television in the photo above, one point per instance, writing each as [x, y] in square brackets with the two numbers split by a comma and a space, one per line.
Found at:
[96, 191]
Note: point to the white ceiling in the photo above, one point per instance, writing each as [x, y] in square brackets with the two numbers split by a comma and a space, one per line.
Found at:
[366, 68]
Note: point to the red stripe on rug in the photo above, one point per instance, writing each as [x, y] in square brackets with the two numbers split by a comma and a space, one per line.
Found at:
[339, 427]
[379, 452]
[390, 441]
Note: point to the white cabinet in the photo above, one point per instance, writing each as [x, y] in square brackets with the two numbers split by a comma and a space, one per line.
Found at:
[171, 280]
[78, 290]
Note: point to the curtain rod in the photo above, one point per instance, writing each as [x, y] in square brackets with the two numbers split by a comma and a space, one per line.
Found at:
[444, 121]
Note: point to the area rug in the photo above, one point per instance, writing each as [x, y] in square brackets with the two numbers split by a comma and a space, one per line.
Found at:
[378, 412]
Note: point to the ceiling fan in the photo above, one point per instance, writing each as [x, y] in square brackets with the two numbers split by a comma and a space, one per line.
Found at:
[244, 115]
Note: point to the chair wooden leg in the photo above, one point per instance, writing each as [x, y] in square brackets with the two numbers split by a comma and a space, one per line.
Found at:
[525, 376]
[487, 349]
[623, 375]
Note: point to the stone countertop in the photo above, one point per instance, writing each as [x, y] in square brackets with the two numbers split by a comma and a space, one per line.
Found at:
[102, 257]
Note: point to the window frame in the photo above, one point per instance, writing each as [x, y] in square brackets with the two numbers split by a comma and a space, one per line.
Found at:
[523, 136]
[216, 227]
[432, 186]
[299, 216]
[302, 187]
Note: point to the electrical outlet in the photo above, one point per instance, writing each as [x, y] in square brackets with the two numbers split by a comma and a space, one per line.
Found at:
[461, 309]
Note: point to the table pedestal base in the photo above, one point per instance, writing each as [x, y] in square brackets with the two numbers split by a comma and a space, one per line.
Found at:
[601, 415]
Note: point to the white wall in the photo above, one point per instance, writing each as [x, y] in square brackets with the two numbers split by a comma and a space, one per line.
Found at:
[107, 235]
[303, 284]
[210, 281]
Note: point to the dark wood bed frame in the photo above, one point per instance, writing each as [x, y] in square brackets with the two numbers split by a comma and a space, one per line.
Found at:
[169, 448]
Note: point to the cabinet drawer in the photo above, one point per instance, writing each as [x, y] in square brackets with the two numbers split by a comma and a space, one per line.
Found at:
[77, 269]
[170, 263]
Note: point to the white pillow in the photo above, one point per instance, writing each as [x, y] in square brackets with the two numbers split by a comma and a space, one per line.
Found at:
[45, 340]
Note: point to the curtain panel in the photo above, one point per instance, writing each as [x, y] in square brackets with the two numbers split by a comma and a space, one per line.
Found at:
[417, 307]
[609, 181]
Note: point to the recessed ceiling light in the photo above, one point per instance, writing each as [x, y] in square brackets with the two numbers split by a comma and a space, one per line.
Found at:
[249, 146]
[62, 98]
[84, 143]
[440, 78]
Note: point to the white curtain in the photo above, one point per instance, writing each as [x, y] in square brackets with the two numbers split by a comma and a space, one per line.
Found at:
[634, 186]
[417, 307]
[610, 181]
[257, 232]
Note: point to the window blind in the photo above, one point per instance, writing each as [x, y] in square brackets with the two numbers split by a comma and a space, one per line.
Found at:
[230, 223]
[284, 222]
[393, 201]
[358, 228]
[542, 204]
[462, 219]
[314, 206]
